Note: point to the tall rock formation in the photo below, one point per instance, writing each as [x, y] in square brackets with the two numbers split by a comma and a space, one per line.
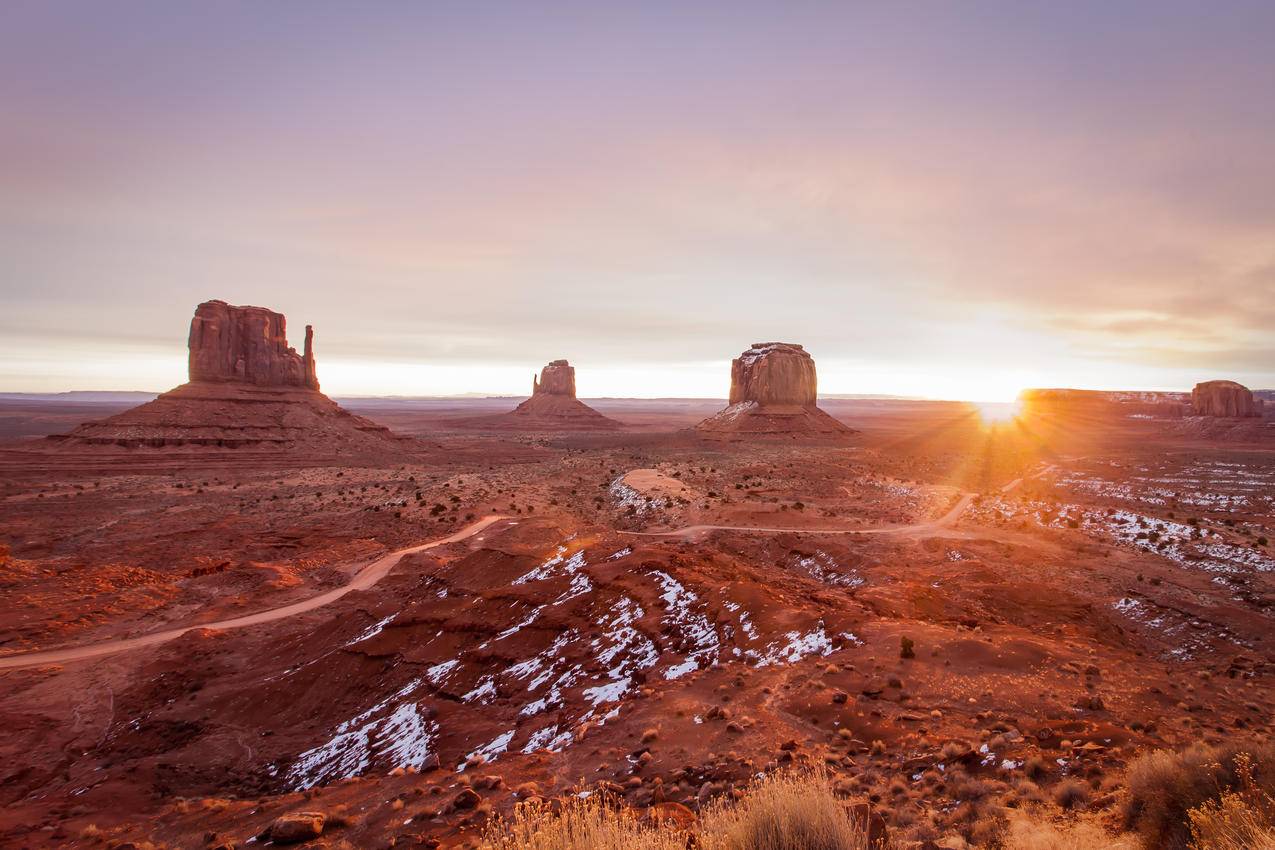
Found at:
[773, 373]
[557, 378]
[247, 388]
[773, 390]
[1224, 399]
[248, 345]
[553, 406]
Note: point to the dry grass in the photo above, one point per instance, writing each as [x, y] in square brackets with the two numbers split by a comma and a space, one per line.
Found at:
[787, 811]
[1239, 820]
[580, 824]
[1028, 833]
[1163, 787]
[1072, 794]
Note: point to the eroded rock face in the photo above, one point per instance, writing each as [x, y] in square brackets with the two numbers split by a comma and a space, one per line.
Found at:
[773, 373]
[773, 392]
[557, 378]
[247, 345]
[1224, 398]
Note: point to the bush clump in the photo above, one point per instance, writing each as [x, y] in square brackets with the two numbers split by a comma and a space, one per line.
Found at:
[1164, 786]
[784, 811]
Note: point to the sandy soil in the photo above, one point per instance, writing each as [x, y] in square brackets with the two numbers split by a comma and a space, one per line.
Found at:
[653, 613]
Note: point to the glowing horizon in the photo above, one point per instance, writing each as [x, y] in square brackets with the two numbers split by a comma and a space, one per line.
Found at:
[936, 202]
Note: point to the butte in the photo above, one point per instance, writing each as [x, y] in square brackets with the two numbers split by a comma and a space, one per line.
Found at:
[1224, 399]
[773, 393]
[247, 388]
[553, 405]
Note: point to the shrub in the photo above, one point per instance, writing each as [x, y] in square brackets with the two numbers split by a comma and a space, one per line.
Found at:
[1238, 820]
[1071, 794]
[581, 824]
[1163, 786]
[786, 811]
[906, 647]
[1034, 833]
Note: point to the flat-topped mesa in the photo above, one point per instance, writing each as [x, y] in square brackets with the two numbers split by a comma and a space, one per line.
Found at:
[773, 391]
[1224, 399]
[557, 378]
[247, 345]
[773, 373]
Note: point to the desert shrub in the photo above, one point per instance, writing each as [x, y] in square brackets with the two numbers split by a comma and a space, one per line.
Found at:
[785, 811]
[1163, 786]
[1238, 820]
[1036, 768]
[1033, 832]
[1071, 794]
[580, 824]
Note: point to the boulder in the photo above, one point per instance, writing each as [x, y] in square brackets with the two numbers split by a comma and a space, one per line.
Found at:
[247, 345]
[1224, 399]
[296, 827]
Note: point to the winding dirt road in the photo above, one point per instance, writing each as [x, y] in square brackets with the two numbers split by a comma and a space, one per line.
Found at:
[365, 578]
[378, 569]
[696, 532]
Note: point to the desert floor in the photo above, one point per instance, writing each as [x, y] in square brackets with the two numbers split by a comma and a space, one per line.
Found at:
[193, 642]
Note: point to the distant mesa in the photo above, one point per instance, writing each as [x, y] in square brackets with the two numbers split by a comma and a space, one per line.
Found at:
[1136, 404]
[247, 388]
[1224, 399]
[553, 405]
[773, 390]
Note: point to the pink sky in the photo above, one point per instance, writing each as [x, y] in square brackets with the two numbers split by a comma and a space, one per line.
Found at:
[944, 199]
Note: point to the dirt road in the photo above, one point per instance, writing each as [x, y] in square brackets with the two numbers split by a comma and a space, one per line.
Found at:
[366, 577]
[692, 532]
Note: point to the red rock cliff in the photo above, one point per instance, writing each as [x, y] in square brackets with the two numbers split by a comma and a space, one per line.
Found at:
[773, 373]
[247, 345]
[558, 378]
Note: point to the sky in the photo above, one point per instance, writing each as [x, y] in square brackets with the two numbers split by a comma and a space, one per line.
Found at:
[950, 200]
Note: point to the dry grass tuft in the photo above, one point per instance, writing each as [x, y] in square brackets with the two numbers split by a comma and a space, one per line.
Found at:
[1072, 794]
[1163, 787]
[1239, 820]
[786, 811]
[1029, 833]
[580, 824]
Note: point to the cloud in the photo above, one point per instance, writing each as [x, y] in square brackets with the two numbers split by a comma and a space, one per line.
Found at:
[1052, 187]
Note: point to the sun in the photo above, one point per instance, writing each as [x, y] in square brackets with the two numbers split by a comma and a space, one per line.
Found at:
[998, 412]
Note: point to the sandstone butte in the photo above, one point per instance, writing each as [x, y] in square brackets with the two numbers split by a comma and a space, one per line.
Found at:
[773, 391]
[553, 404]
[247, 345]
[1224, 399]
[247, 388]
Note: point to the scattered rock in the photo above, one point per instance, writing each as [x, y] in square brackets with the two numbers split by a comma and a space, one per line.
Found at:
[295, 827]
[468, 798]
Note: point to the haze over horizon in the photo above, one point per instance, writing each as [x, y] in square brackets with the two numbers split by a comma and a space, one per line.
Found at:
[454, 194]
